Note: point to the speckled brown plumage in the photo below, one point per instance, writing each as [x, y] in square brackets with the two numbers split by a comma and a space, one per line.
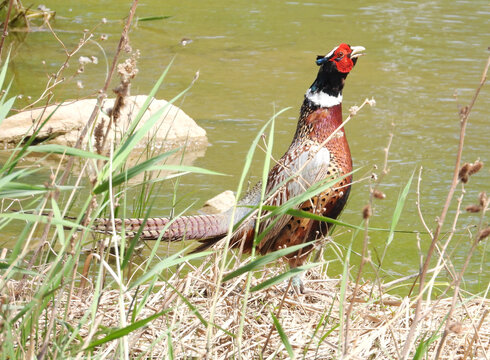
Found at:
[318, 151]
[315, 126]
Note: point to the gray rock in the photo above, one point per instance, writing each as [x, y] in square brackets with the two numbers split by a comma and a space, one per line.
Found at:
[174, 128]
[220, 203]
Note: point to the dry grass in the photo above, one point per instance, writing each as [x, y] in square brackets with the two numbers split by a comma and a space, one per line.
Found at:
[378, 327]
[47, 315]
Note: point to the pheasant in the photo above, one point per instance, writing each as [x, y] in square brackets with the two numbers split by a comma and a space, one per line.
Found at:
[318, 151]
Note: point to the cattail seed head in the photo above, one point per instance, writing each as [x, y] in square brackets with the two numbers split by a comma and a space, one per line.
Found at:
[469, 169]
[353, 110]
[473, 208]
[99, 136]
[456, 327]
[379, 194]
[463, 111]
[483, 234]
[463, 172]
[371, 102]
[475, 167]
[483, 198]
[366, 212]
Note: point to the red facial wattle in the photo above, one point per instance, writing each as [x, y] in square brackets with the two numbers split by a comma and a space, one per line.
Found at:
[341, 58]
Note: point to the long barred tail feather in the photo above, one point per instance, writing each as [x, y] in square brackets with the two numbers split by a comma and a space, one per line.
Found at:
[188, 227]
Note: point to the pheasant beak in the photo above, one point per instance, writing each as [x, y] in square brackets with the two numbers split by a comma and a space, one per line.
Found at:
[356, 51]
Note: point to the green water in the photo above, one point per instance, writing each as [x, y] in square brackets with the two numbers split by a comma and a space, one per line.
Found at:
[255, 58]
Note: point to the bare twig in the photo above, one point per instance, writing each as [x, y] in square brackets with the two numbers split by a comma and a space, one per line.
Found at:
[42, 353]
[366, 214]
[419, 209]
[100, 98]
[458, 280]
[103, 92]
[56, 78]
[288, 286]
[5, 26]
[467, 351]
[464, 115]
[59, 40]
[374, 191]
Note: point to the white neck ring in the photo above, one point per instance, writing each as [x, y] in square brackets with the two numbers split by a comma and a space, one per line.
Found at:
[323, 99]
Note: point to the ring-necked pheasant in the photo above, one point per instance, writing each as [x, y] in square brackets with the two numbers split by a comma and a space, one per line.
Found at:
[309, 159]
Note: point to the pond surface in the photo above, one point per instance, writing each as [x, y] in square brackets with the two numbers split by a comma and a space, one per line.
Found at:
[423, 60]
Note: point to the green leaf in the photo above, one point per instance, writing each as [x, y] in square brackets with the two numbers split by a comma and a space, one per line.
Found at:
[65, 150]
[132, 172]
[116, 334]
[398, 210]
[149, 99]
[5, 266]
[172, 260]
[41, 219]
[196, 312]
[16, 190]
[251, 151]
[283, 337]
[5, 108]
[312, 216]
[263, 260]
[71, 329]
[265, 174]
[130, 249]
[314, 190]
[6, 91]
[343, 288]
[123, 152]
[309, 215]
[24, 144]
[3, 72]
[184, 168]
[170, 346]
[322, 323]
[423, 347]
[132, 137]
[10, 178]
[324, 336]
[151, 18]
[284, 276]
[57, 215]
